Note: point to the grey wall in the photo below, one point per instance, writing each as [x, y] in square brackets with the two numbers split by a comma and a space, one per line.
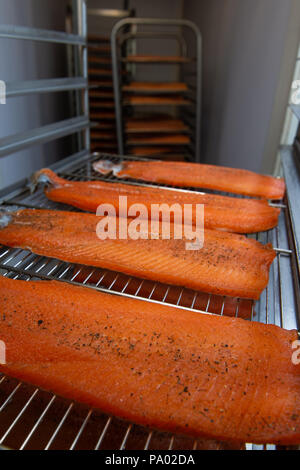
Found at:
[25, 60]
[249, 49]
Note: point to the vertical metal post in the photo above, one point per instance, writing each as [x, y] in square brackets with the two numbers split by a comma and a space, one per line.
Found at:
[77, 68]
[84, 32]
[117, 92]
[198, 96]
[81, 67]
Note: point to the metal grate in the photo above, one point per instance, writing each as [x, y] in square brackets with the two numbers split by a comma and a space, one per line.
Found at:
[34, 419]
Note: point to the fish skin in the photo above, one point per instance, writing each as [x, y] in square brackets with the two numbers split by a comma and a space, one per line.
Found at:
[227, 264]
[220, 212]
[201, 175]
[207, 376]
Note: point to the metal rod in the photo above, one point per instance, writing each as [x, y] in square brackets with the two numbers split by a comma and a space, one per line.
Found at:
[51, 440]
[8, 399]
[2, 379]
[74, 443]
[40, 135]
[171, 443]
[41, 35]
[292, 178]
[18, 416]
[282, 251]
[84, 32]
[117, 91]
[194, 300]
[148, 440]
[280, 206]
[123, 445]
[14, 89]
[37, 423]
[103, 433]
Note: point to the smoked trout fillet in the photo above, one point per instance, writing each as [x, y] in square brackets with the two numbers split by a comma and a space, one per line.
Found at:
[191, 373]
[198, 175]
[220, 212]
[227, 264]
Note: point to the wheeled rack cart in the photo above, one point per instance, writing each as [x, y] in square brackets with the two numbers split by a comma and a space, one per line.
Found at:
[178, 134]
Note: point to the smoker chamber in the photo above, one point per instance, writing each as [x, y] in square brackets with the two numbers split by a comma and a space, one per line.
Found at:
[31, 418]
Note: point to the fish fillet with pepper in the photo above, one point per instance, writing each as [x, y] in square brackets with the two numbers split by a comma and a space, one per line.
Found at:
[197, 175]
[227, 264]
[220, 212]
[202, 375]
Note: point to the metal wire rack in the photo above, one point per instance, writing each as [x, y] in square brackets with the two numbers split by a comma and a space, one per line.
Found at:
[191, 77]
[34, 419]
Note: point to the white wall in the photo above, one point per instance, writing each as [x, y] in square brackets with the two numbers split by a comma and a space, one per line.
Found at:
[25, 60]
[249, 49]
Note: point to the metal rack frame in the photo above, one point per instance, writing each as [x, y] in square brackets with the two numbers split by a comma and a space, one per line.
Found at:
[277, 305]
[103, 143]
[116, 77]
[78, 84]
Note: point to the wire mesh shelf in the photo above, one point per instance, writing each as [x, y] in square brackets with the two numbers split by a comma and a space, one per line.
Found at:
[34, 419]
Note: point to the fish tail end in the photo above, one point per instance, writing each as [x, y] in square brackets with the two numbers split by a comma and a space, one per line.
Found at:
[106, 166]
[45, 177]
[5, 219]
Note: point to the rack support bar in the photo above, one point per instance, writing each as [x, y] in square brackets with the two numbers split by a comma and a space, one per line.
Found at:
[42, 35]
[14, 89]
[14, 143]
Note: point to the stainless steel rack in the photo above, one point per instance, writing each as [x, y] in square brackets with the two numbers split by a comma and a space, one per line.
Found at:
[77, 84]
[119, 37]
[34, 419]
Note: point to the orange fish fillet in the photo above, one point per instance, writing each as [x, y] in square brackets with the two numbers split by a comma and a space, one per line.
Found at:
[228, 264]
[205, 376]
[198, 176]
[220, 212]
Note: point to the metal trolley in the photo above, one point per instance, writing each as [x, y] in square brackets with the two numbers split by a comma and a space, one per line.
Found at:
[120, 36]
